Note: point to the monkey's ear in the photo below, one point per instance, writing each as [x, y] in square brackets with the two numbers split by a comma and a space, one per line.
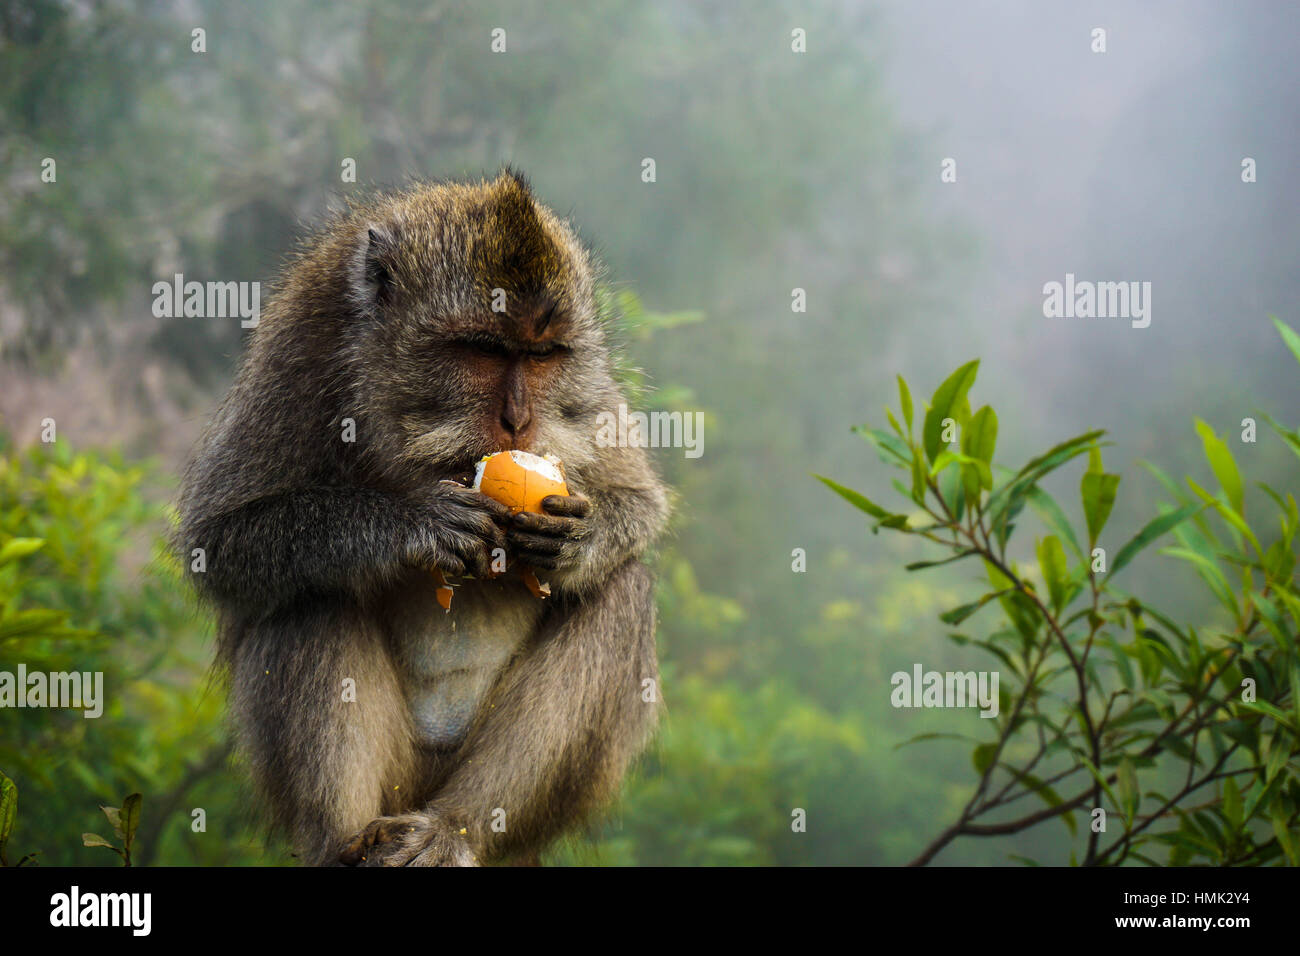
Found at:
[372, 277]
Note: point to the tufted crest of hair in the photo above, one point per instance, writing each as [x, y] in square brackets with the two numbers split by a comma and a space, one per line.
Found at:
[451, 245]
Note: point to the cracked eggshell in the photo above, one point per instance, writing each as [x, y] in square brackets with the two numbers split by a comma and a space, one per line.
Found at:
[520, 479]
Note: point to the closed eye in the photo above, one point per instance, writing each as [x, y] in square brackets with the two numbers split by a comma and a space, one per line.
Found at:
[486, 345]
[490, 345]
[549, 349]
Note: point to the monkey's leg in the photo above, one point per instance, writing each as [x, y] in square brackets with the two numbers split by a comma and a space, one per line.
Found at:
[323, 721]
[553, 739]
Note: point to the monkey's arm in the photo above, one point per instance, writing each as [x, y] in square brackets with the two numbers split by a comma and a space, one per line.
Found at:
[551, 742]
[330, 539]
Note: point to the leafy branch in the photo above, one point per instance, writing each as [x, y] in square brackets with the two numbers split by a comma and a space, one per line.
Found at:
[1107, 695]
[125, 820]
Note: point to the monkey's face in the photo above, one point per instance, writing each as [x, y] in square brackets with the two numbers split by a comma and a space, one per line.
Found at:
[481, 330]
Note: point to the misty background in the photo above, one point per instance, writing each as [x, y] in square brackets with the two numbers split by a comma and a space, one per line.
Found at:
[775, 170]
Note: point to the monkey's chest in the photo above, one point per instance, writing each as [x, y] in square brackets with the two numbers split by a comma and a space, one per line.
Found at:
[450, 660]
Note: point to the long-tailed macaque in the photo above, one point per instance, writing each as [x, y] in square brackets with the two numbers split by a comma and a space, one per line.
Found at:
[411, 336]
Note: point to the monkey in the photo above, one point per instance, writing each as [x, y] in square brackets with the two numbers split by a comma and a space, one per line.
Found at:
[412, 334]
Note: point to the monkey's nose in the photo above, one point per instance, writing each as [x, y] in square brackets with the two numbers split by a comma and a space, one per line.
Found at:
[515, 421]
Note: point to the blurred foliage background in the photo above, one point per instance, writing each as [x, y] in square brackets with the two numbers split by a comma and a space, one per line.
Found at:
[775, 171]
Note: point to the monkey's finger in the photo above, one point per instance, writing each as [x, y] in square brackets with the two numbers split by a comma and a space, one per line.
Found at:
[527, 521]
[464, 523]
[570, 506]
[534, 543]
[468, 553]
[355, 853]
[474, 499]
[480, 562]
[447, 560]
[539, 559]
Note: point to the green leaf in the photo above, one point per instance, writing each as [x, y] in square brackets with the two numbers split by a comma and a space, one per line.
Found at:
[918, 480]
[921, 565]
[1232, 803]
[905, 401]
[971, 484]
[1051, 561]
[1126, 780]
[886, 443]
[982, 757]
[1006, 498]
[94, 839]
[1264, 707]
[1169, 484]
[934, 735]
[8, 811]
[980, 438]
[1053, 517]
[114, 815]
[1222, 464]
[649, 322]
[1122, 662]
[1279, 752]
[1291, 438]
[858, 500]
[1153, 529]
[1059, 454]
[948, 458]
[1295, 692]
[1210, 572]
[947, 398]
[1281, 830]
[952, 492]
[1289, 336]
[959, 614]
[1098, 492]
[1101, 781]
[1051, 798]
[893, 423]
[16, 548]
[1227, 514]
[131, 817]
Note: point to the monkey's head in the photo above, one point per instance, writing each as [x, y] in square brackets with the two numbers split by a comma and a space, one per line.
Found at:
[472, 328]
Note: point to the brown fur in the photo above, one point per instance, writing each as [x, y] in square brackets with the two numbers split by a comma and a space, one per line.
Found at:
[317, 549]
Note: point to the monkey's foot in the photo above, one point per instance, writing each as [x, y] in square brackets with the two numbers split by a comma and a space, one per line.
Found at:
[413, 839]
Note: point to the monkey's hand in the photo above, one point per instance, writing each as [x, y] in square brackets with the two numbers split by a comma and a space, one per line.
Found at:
[458, 530]
[413, 839]
[555, 540]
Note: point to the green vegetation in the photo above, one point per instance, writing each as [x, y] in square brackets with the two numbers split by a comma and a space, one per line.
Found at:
[1188, 736]
[86, 586]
